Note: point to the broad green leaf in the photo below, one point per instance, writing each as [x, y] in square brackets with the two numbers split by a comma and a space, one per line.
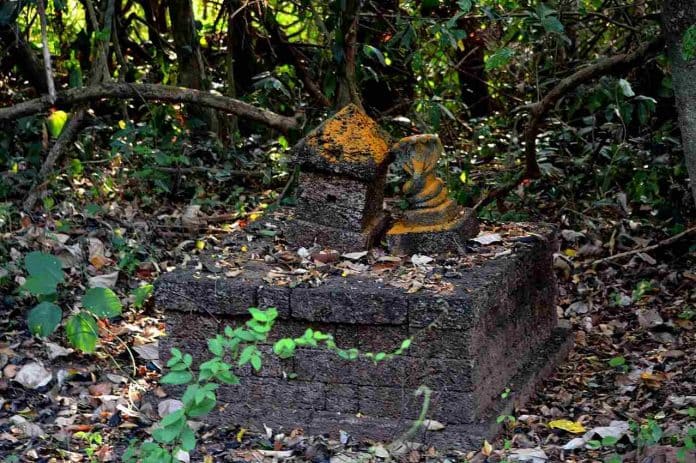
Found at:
[608, 441]
[166, 434]
[617, 362]
[40, 263]
[40, 285]
[215, 346]
[140, 295]
[55, 122]
[82, 331]
[257, 314]
[374, 53]
[227, 377]
[173, 418]
[552, 24]
[246, 355]
[256, 361]
[44, 319]
[465, 5]
[259, 327]
[188, 439]
[177, 377]
[499, 58]
[626, 89]
[102, 302]
[202, 409]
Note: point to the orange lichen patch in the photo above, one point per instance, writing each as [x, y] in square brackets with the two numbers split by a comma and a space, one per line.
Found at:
[350, 136]
[433, 195]
[433, 187]
[433, 215]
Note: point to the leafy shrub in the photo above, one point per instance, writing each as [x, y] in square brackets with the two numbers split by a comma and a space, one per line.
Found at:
[45, 275]
[235, 347]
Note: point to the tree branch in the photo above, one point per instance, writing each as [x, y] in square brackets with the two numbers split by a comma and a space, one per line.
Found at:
[66, 137]
[602, 67]
[538, 110]
[155, 92]
[46, 52]
[666, 242]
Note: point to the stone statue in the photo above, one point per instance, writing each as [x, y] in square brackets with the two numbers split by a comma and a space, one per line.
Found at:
[343, 166]
[433, 223]
[426, 194]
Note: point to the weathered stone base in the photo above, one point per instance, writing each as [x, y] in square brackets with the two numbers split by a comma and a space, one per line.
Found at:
[540, 364]
[303, 233]
[494, 329]
[450, 237]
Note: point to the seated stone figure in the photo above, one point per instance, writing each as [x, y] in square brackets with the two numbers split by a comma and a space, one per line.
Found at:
[425, 193]
[434, 222]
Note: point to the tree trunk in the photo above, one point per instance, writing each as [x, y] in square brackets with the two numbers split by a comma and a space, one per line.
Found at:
[229, 126]
[677, 16]
[25, 59]
[345, 42]
[191, 70]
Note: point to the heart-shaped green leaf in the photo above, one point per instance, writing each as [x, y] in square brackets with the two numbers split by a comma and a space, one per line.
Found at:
[44, 319]
[82, 331]
[102, 302]
[55, 122]
[40, 285]
[40, 263]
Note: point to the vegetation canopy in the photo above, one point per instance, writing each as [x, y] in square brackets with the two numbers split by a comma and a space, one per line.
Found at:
[141, 135]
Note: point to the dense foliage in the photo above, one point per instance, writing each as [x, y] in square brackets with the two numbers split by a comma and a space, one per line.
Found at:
[136, 133]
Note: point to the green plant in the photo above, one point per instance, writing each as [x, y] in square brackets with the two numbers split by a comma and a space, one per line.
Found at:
[618, 362]
[94, 441]
[45, 275]
[689, 44]
[646, 434]
[689, 443]
[503, 418]
[642, 288]
[237, 346]
[234, 347]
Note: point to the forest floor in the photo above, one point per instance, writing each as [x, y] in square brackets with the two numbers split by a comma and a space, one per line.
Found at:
[628, 388]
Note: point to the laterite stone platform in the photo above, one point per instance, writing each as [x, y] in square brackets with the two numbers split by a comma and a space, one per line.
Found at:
[486, 325]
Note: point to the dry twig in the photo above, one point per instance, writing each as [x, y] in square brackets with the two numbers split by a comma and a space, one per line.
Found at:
[666, 242]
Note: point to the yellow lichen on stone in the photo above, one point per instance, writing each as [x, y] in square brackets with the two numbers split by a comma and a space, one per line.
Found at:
[431, 209]
[350, 136]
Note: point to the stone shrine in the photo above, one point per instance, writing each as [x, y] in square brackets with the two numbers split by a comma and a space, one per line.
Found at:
[433, 223]
[343, 166]
[480, 323]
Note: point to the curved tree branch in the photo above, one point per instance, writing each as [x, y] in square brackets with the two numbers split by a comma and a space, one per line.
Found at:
[538, 110]
[155, 92]
[602, 67]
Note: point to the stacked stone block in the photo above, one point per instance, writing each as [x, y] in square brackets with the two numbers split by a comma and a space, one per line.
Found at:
[496, 329]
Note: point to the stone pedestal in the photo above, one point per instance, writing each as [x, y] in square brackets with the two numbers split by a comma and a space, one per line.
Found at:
[494, 329]
[433, 239]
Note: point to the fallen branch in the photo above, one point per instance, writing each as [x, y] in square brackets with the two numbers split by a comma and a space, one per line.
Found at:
[500, 192]
[666, 242]
[209, 170]
[154, 92]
